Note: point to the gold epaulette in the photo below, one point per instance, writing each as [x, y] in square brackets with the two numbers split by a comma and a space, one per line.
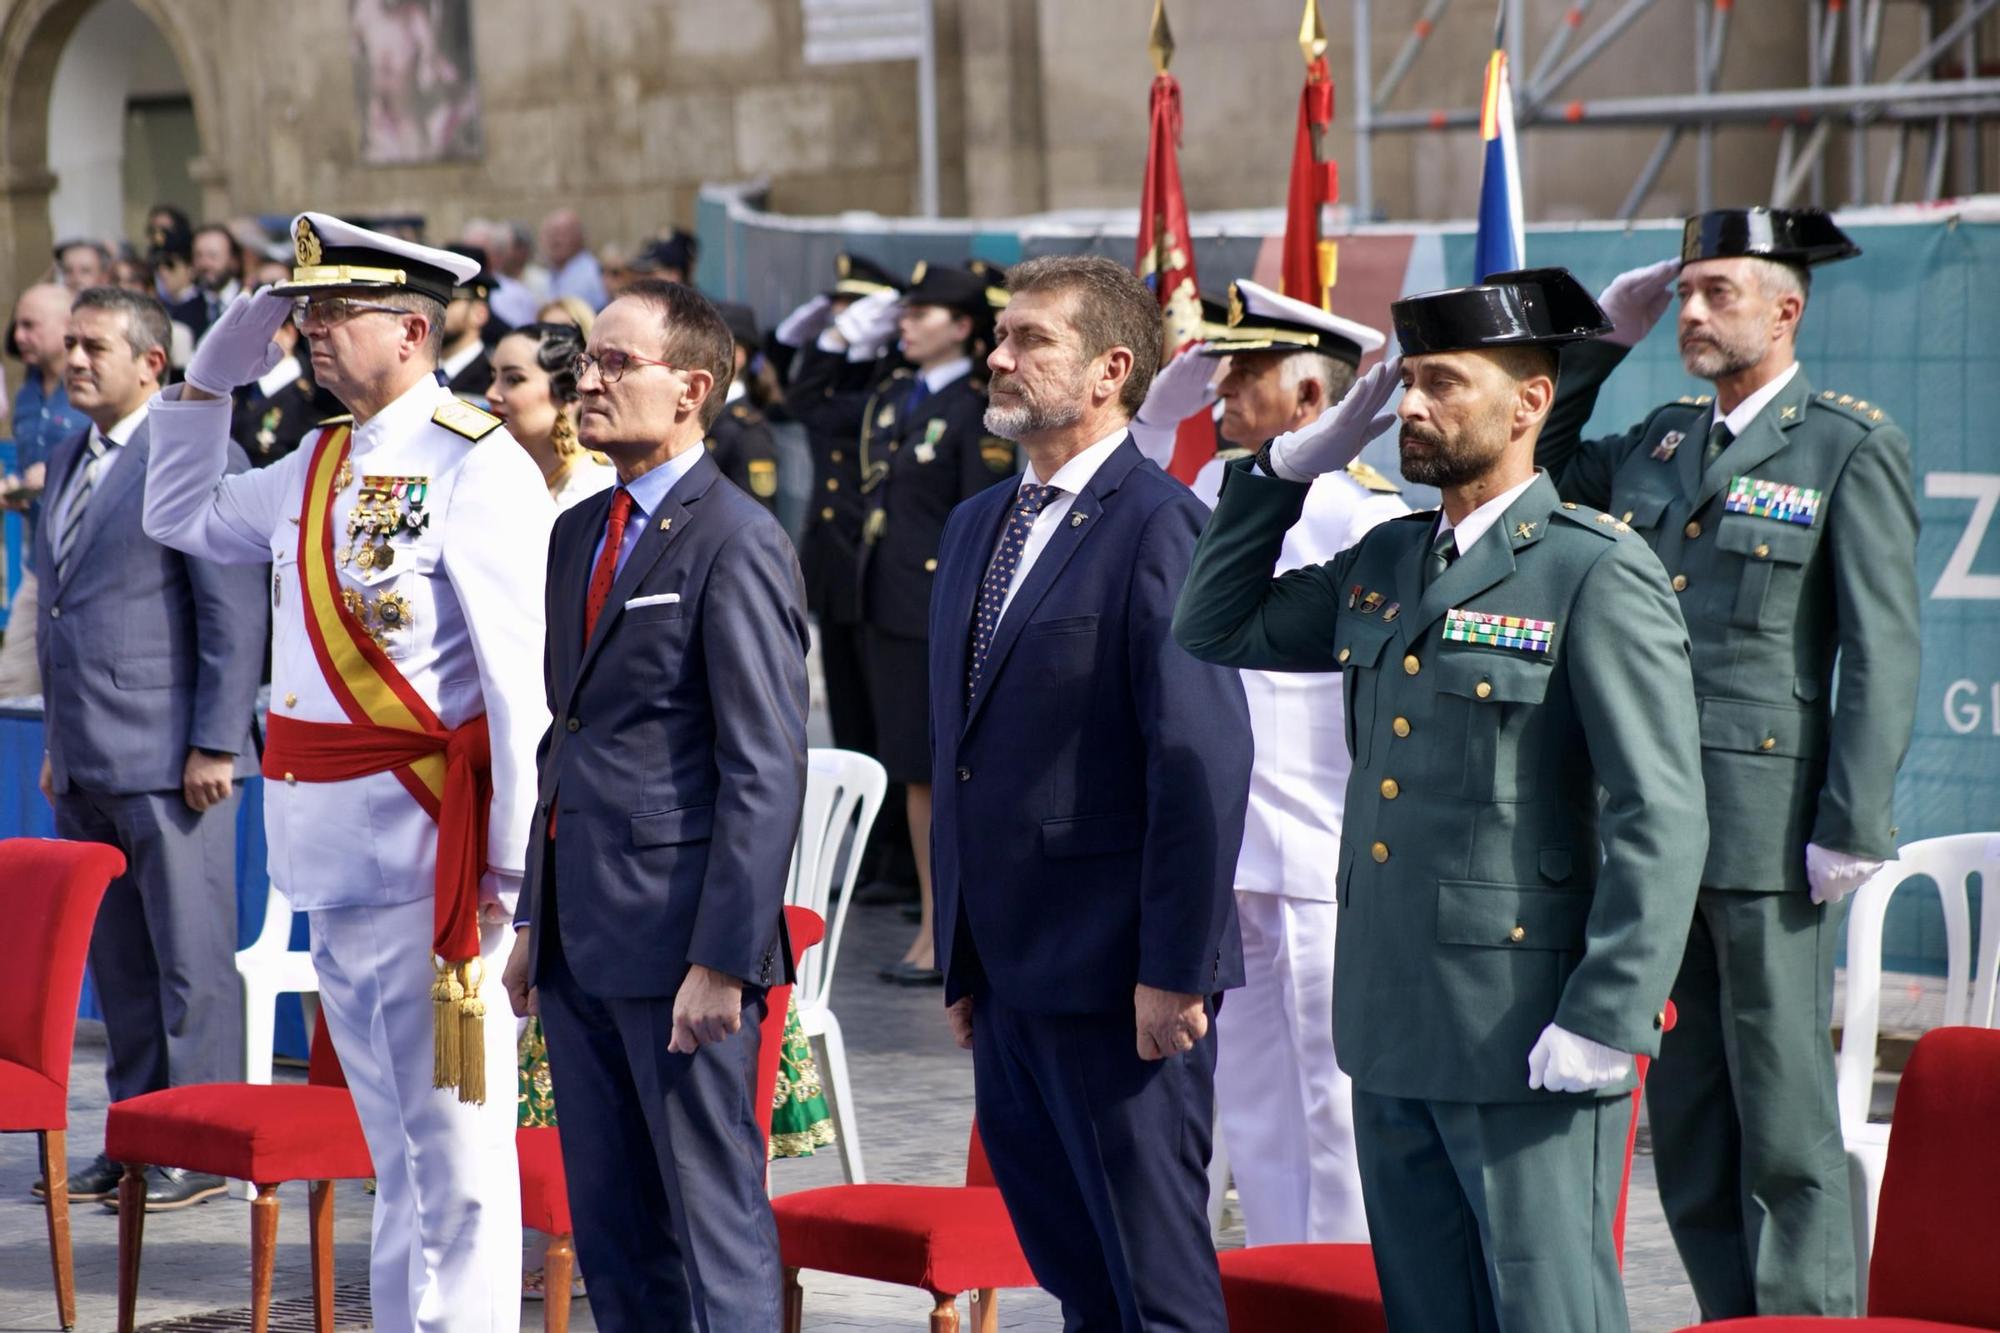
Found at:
[1372, 479]
[1858, 409]
[1231, 455]
[344, 419]
[462, 418]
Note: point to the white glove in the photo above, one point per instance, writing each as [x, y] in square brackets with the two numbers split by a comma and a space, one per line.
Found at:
[237, 349]
[1636, 299]
[1182, 388]
[869, 325]
[1565, 1062]
[803, 325]
[1833, 875]
[1337, 437]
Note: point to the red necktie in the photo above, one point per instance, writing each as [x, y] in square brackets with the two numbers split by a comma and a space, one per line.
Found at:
[607, 560]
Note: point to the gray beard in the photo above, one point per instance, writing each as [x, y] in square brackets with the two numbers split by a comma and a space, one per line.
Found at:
[1030, 418]
[1713, 360]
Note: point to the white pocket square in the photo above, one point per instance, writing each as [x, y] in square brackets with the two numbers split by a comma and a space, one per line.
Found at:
[656, 599]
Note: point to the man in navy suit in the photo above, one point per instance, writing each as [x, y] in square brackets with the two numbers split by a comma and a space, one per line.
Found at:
[1090, 780]
[671, 780]
[149, 662]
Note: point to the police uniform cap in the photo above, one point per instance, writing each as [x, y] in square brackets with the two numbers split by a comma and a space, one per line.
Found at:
[1799, 236]
[742, 322]
[1261, 320]
[676, 251]
[329, 252]
[480, 285]
[858, 275]
[953, 288]
[1526, 307]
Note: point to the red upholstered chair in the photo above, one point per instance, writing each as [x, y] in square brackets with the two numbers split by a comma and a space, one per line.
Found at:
[53, 889]
[942, 1238]
[1938, 1231]
[545, 1190]
[1267, 1288]
[262, 1133]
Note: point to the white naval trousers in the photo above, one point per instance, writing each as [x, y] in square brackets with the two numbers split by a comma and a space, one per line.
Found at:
[446, 1251]
[1286, 1109]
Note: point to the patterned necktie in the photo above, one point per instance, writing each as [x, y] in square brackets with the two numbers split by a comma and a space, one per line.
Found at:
[79, 500]
[1718, 440]
[607, 560]
[1444, 550]
[1031, 501]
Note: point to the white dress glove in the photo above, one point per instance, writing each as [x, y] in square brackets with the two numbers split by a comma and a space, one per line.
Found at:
[1565, 1062]
[1636, 299]
[237, 349]
[804, 324]
[869, 325]
[1180, 390]
[1337, 437]
[1833, 875]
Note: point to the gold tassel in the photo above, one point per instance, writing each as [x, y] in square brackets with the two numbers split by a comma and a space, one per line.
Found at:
[446, 998]
[471, 1037]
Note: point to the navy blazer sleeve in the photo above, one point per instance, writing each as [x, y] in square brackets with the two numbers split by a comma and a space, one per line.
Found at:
[230, 613]
[1196, 728]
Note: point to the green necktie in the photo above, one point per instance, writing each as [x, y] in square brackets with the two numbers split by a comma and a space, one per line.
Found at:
[1718, 440]
[1444, 550]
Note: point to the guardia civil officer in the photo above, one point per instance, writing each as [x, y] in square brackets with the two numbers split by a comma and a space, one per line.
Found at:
[1524, 823]
[1785, 514]
[740, 440]
[406, 693]
[924, 448]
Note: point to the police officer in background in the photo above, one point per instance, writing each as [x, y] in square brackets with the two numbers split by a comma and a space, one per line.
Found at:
[924, 448]
[1786, 515]
[466, 368]
[740, 439]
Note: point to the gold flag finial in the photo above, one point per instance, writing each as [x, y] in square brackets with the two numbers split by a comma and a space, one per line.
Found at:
[1161, 42]
[1312, 33]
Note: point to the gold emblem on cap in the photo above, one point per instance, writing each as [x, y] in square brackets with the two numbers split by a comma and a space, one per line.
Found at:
[842, 265]
[917, 273]
[308, 244]
[1235, 306]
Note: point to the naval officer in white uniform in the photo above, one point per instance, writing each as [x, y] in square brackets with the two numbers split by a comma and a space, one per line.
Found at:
[407, 616]
[1285, 1106]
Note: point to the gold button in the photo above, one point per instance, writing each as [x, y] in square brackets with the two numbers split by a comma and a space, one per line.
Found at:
[1390, 791]
[930, 565]
[1401, 726]
[1484, 689]
[1411, 666]
[1626, 517]
[836, 455]
[1660, 1019]
[1768, 743]
[291, 779]
[1569, 504]
[1692, 529]
[1380, 851]
[1517, 934]
[826, 514]
[1342, 655]
[833, 483]
[1761, 551]
[291, 701]
[1680, 583]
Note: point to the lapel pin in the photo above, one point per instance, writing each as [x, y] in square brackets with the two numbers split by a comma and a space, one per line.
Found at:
[1076, 520]
[666, 523]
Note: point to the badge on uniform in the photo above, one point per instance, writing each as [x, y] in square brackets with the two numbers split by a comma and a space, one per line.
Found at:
[1669, 442]
[1772, 499]
[926, 450]
[1371, 602]
[1493, 631]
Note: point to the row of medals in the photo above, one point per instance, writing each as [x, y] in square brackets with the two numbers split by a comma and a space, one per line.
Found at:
[385, 507]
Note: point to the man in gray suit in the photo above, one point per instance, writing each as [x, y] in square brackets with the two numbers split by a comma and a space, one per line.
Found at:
[149, 666]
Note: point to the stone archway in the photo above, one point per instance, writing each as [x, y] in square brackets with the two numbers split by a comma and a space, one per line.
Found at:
[33, 34]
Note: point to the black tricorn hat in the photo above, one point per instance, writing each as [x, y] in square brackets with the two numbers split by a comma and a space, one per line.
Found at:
[857, 275]
[1803, 236]
[1526, 307]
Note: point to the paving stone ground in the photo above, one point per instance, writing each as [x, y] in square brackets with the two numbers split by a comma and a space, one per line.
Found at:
[914, 1091]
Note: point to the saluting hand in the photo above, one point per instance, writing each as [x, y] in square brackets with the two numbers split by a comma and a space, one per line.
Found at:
[1170, 1022]
[237, 348]
[708, 1008]
[1338, 435]
[1636, 299]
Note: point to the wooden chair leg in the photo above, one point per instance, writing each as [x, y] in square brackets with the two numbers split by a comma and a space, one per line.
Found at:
[558, 1273]
[263, 1255]
[55, 1174]
[944, 1315]
[319, 1208]
[794, 1303]
[986, 1311]
[131, 1235]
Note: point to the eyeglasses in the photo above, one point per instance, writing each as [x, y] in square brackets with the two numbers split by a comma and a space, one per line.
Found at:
[611, 364]
[327, 311]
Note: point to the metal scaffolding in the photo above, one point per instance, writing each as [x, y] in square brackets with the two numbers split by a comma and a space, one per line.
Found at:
[1936, 102]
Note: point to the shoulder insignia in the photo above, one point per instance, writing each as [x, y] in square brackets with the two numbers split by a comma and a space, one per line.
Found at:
[745, 412]
[345, 418]
[997, 454]
[1371, 479]
[763, 478]
[1702, 400]
[462, 418]
[1687, 398]
[1858, 410]
[1231, 455]
[1591, 520]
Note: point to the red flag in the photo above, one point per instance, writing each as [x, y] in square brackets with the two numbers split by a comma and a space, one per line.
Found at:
[1315, 181]
[1166, 261]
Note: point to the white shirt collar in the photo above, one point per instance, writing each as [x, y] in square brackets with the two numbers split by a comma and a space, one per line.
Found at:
[1469, 530]
[1747, 410]
[462, 358]
[121, 430]
[417, 403]
[1074, 475]
[937, 378]
[278, 376]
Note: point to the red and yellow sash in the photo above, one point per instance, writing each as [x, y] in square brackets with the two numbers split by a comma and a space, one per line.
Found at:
[392, 730]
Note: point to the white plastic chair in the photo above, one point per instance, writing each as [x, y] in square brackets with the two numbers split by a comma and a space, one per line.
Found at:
[268, 968]
[1950, 863]
[844, 793]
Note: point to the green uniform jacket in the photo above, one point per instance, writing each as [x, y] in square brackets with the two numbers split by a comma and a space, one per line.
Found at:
[1774, 606]
[1524, 830]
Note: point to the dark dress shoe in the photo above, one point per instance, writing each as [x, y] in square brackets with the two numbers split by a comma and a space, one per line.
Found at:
[912, 912]
[909, 974]
[99, 1180]
[169, 1188]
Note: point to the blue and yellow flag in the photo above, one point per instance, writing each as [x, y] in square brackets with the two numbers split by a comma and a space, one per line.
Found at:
[1501, 245]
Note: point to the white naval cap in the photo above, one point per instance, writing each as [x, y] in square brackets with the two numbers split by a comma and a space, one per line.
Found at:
[332, 253]
[1261, 320]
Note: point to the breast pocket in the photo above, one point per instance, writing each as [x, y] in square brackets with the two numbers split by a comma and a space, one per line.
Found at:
[1642, 511]
[1774, 555]
[1059, 652]
[1358, 648]
[1492, 695]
